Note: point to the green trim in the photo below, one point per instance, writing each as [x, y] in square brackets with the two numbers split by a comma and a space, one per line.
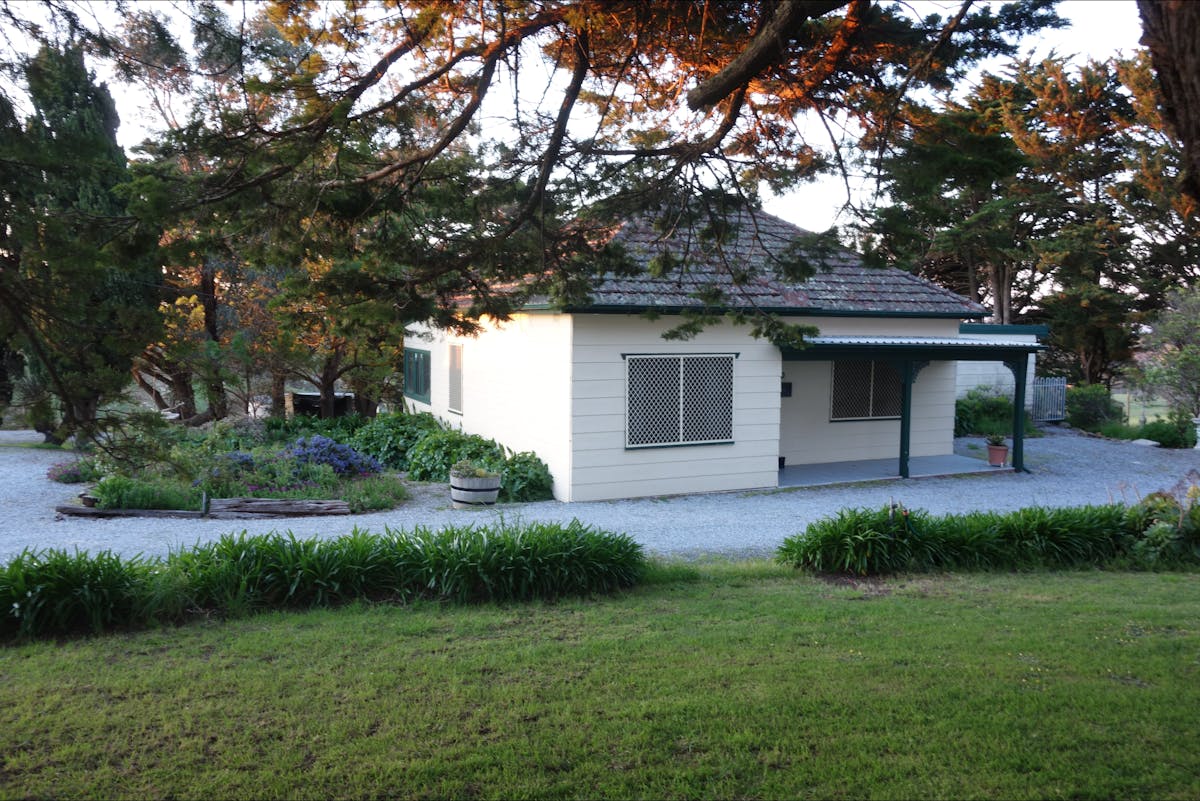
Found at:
[735, 354]
[988, 328]
[418, 367]
[978, 353]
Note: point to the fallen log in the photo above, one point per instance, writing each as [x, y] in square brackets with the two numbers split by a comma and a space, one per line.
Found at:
[224, 509]
[281, 507]
[91, 511]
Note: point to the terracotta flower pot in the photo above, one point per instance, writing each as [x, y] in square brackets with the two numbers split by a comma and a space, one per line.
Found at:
[997, 455]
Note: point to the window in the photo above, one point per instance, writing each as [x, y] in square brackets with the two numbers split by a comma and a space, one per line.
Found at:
[416, 374]
[455, 397]
[679, 400]
[864, 390]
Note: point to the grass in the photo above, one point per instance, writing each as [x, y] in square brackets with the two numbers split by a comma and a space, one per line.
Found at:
[715, 680]
[1136, 409]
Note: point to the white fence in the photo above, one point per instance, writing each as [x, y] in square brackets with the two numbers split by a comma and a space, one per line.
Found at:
[1049, 399]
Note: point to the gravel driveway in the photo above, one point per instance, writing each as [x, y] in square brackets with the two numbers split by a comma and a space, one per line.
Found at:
[1066, 469]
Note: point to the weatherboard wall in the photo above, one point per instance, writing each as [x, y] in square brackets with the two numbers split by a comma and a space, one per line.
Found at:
[809, 436]
[604, 468]
[516, 382]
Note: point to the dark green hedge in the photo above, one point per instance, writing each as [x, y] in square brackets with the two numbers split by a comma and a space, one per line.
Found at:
[53, 592]
[1161, 531]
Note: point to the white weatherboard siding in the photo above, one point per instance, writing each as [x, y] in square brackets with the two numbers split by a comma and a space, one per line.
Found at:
[884, 326]
[808, 436]
[516, 387]
[995, 376]
[604, 468]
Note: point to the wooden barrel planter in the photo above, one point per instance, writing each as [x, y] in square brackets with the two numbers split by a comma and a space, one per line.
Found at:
[467, 492]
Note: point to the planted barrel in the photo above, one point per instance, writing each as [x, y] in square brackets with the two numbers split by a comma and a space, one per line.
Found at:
[468, 491]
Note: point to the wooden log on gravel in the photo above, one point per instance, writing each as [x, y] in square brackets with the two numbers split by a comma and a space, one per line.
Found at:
[224, 509]
[282, 507]
[91, 511]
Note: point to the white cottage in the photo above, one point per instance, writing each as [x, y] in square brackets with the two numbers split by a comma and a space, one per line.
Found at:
[616, 411]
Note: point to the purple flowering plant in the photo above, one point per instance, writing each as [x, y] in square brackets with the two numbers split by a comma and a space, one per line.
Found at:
[345, 461]
[76, 472]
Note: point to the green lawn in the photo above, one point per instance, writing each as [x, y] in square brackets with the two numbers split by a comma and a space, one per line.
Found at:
[744, 681]
[1136, 408]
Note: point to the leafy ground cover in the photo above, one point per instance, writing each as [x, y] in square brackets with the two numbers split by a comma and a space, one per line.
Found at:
[722, 681]
[156, 466]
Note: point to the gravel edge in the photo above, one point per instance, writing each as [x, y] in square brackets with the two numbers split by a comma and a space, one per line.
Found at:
[1066, 468]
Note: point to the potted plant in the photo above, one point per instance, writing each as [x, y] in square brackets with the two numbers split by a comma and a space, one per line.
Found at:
[472, 484]
[997, 450]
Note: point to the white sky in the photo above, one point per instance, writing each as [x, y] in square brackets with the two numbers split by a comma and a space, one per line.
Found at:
[1099, 29]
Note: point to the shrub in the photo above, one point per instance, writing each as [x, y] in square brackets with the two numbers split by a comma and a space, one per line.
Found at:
[982, 411]
[145, 441]
[125, 492]
[891, 540]
[389, 437]
[526, 478]
[1165, 526]
[76, 472]
[343, 459]
[509, 562]
[432, 457]
[1090, 406]
[1175, 432]
[52, 593]
[55, 592]
[374, 493]
[287, 429]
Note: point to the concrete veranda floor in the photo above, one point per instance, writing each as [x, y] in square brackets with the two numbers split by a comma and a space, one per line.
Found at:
[817, 475]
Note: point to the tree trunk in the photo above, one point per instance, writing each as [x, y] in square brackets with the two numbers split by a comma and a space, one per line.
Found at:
[1171, 32]
[1001, 289]
[278, 393]
[147, 386]
[365, 405]
[214, 387]
[155, 366]
[327, 381]
[12, 367]
[182, 392]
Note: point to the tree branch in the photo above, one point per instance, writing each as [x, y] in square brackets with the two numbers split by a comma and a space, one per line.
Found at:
[767, 47]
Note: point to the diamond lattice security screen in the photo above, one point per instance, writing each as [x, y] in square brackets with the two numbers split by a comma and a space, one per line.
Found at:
[864, 389]
[679, 400]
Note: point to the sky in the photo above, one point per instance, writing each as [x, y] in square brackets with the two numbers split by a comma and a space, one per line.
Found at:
[1099, 29]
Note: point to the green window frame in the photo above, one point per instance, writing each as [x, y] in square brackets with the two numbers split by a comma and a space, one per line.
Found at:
[416, 374]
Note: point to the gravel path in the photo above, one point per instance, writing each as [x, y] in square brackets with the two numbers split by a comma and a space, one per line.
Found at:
[1066, 469]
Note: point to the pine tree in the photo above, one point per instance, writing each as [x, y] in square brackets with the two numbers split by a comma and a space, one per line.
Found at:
[79, 286]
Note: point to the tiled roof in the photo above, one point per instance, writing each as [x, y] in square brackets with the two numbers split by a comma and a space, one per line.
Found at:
[761, 243]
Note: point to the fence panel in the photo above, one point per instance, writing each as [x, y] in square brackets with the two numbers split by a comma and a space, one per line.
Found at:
[1049, 400]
